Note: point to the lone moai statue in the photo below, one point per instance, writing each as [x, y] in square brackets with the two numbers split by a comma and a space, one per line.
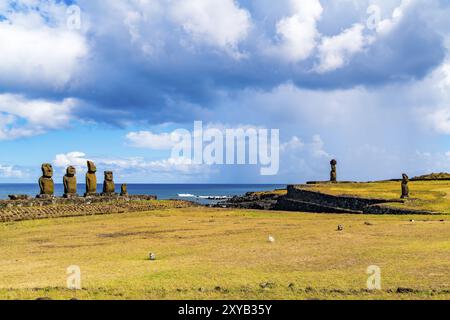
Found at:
[46, 182]
[333, 174]
[123, 190]
[91, 180]
[405, 187]
[108, 184]
[70, 183]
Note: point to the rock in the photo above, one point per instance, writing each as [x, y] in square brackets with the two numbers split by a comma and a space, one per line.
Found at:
[340, 227]
[70, 183]
[46, 184]
[271, 239]
[266, 285]
[152, 256]
[108, 184]
[18, 197]
[368, 223]
[405, 290]
[91, 180]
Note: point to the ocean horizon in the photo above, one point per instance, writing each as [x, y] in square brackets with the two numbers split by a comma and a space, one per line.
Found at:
[193, 192]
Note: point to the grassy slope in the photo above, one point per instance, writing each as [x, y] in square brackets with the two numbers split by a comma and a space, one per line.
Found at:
[211, 248]
[425, 195]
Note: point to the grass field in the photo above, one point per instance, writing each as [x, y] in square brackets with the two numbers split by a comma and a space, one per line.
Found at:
[424, 195]
[207, 253]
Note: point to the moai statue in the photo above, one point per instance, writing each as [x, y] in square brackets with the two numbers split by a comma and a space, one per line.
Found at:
[108, 184]
[70, 183]
[405, 187]
[46, 182]
[91, 180]
[123, 190]
[333, 174]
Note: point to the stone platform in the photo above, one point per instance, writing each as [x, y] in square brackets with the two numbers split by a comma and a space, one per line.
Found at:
[299, 199]
[40, 202]
[30, 209]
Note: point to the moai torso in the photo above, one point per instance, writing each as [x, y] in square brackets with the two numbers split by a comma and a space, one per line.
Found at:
[91, 179]
[108, 183]
[123, 190]
[46, 185]
[70, 181]
[405, 187]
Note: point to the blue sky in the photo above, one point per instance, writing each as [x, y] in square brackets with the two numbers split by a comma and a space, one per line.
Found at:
[366, 82]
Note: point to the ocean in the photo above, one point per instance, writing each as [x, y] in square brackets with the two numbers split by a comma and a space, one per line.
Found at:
[192, 192]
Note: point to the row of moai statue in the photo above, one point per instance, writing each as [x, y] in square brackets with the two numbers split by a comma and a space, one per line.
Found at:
[47, 186]
[405, 179]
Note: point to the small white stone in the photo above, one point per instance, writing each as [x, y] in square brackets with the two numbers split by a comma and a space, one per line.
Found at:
[152, 256]
[271, 239]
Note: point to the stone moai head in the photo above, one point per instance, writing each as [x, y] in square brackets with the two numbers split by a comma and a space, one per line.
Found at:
[71, 171]
[405, 177]
[91, 167]
[109, 176]
[123, 188]
[333, 163]
[47, 170]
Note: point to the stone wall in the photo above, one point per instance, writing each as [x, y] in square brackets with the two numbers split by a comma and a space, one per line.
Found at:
[35, 202]
[343, 202]
[299, 199]
[32, 209]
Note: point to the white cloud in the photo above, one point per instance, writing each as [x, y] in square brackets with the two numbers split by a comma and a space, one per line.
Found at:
[220, 23]
[298, 33]
[314, 148]
[20, 117]
[75, 158]
[335, 51]
[132, 164]
[10, 172]
[387, 25]
[33, 52]
[149, 140]
[434, 112]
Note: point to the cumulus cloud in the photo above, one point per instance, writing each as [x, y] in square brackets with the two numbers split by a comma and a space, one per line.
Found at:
[10, 172]
[172, 61]
[298, 33]
[147, 139]
[35, 52]
[22, 117]
[172, 168]
[222, 24]
[335, 51]
[386, 25]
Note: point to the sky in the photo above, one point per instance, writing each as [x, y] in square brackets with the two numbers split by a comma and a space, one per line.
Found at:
[366, 82]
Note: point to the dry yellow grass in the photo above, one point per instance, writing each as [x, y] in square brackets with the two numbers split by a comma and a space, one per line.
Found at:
[225, 254]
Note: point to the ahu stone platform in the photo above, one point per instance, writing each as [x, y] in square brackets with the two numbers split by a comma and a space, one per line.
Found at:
[31, 209]
[300, 199]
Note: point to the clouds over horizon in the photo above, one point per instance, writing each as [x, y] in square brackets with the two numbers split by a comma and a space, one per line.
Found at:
[363, 80]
